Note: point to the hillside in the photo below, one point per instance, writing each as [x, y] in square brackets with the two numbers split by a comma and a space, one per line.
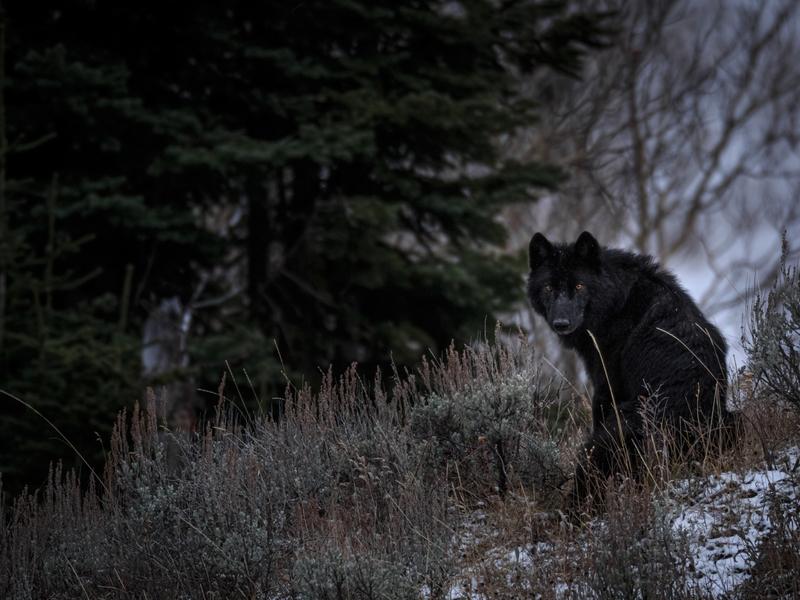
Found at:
[444, 483]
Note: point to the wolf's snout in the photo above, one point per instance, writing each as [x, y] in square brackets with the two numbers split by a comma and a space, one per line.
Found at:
[561, 325]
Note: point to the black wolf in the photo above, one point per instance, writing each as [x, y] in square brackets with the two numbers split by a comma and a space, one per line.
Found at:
[645, 344]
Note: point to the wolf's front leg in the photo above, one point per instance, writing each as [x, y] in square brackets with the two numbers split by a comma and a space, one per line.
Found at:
[612, 448]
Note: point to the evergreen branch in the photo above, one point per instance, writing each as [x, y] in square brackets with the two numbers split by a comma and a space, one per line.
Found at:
[20, 147]
[59, 432]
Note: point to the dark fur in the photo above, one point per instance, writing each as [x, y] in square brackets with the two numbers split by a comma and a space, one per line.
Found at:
[625, 300]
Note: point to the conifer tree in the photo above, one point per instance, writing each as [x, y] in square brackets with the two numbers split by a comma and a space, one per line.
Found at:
[331, 170]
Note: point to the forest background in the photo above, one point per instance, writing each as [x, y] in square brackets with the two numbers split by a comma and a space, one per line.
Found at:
[271, 190]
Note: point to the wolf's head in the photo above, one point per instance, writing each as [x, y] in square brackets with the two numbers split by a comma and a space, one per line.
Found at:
[561, 280]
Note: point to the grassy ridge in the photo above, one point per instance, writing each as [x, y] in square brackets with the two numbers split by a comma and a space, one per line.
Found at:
[367, 490]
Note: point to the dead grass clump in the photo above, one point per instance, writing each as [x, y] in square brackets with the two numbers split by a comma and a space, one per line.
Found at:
[356, 490]
[336, 575]
[775, 560]
[633, 551]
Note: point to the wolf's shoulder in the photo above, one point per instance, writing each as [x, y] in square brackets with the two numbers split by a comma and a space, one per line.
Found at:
[645, 276]
[616, 260]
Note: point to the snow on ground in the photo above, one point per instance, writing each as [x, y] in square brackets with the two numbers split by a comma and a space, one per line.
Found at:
[727, 518]
[724, 517]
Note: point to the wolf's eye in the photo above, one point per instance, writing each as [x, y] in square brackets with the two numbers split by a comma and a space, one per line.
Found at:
[579, 286]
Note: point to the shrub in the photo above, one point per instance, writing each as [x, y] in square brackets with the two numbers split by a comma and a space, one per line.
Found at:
[632, 560]
[775, 561]
[635, 553]
[335, 575]
[347, 495]
[488, 412]
[773, 343]
[220, 512]
[213, 530]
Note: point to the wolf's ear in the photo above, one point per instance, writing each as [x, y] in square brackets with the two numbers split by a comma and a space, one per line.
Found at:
[539, 251]
[586, 248]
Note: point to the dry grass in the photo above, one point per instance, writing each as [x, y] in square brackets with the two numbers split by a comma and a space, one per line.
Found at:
[632, 550]
[374, 490]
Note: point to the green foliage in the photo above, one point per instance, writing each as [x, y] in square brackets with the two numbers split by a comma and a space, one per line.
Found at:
[773, 343]
[73, 358]
[324, 177]
[89, 243]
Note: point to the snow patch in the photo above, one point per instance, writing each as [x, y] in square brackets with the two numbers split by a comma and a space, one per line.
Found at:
[723, 517]
[728, 517]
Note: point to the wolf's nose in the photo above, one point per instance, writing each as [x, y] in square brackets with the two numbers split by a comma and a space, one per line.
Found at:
[561, 324]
